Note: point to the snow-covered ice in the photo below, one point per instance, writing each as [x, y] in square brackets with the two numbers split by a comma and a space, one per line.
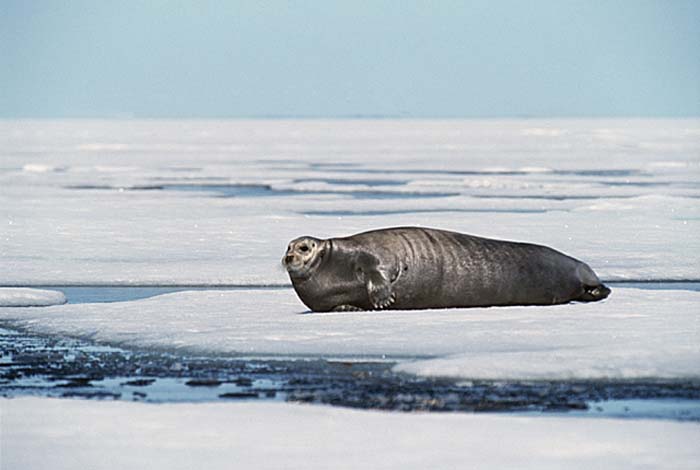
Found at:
[633, 334]
[121, 202]
[25, 297]
[39, 433]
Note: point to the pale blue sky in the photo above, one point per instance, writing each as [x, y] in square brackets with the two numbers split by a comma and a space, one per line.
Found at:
[349, 58]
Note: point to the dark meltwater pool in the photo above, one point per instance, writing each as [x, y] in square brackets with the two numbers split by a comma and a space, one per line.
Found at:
[71, 368]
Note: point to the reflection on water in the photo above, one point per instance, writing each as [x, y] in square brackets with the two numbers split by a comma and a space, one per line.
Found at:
[660, 285]
[681, 410]
[102, 294]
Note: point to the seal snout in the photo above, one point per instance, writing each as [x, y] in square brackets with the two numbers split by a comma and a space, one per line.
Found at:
[288, 259]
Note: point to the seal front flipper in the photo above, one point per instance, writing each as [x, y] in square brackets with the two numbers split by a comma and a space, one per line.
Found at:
[378, 286]
[380, 293]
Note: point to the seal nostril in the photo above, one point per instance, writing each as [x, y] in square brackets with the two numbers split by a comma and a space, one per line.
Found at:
[288, 259]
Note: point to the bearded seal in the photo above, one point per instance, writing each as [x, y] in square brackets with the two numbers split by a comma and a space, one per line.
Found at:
[416, 268]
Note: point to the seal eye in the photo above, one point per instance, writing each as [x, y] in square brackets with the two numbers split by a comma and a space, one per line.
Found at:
[303, 248]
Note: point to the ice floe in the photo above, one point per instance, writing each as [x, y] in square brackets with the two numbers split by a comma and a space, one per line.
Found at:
[206, 202]
[41, 433]
[633, 334]
[24, 297]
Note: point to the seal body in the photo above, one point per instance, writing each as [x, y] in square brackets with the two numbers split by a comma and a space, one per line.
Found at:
[415, 268]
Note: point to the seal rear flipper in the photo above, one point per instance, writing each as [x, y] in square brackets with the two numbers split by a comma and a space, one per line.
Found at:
[593, 289]
[594, 293]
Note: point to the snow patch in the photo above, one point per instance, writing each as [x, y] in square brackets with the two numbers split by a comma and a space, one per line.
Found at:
[98, 146]
[542, 132]
[40, 168]
[24, 297]
[535, 169]
[668, 164]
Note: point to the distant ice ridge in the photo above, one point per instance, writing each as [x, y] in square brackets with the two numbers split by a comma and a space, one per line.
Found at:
[633, 334]
[24, 297]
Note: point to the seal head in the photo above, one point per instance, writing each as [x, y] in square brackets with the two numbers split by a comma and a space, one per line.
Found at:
[303, 256]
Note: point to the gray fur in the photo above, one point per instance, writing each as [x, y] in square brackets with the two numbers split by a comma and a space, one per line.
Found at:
[414, 268]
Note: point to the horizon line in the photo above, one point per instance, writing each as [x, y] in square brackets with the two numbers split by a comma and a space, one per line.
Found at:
[349, 117]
